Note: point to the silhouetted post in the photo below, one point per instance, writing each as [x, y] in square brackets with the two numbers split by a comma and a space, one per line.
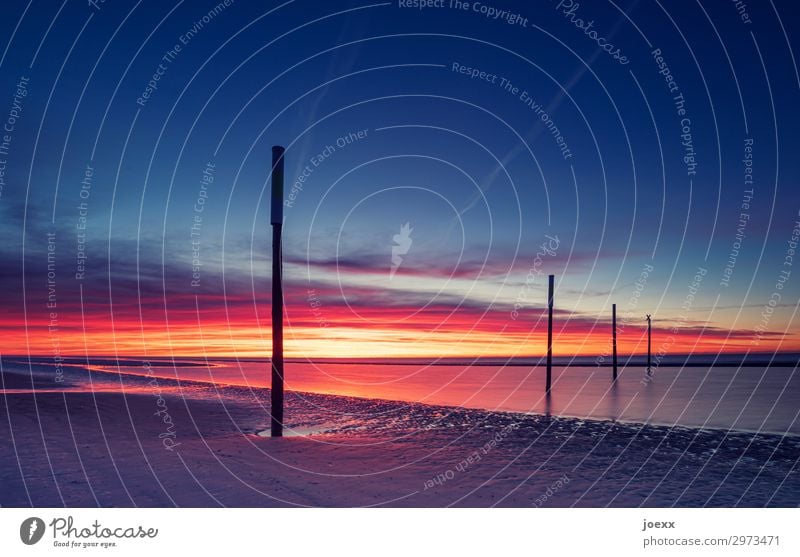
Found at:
[614, 337]
[649, 335]
[550, 280]
[277, 293]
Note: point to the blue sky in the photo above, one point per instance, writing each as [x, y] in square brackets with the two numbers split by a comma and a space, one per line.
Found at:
[474, 170]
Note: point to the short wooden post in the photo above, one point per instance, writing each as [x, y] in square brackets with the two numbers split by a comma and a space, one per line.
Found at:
[649, 336]
[550, 280]
[614, 338]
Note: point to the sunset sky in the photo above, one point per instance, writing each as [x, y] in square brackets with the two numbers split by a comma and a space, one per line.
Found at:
[153, 183]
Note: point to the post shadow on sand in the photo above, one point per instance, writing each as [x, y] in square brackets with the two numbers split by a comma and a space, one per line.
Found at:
[613, 397]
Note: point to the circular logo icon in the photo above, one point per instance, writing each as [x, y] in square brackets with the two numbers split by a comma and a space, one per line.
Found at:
[31, 530]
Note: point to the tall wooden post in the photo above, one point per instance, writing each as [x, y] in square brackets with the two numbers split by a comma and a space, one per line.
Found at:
[277, 293]
[614, 337]
[550, 280]
[649, 336]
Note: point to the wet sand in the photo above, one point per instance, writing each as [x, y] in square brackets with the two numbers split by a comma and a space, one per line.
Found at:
[186, 445]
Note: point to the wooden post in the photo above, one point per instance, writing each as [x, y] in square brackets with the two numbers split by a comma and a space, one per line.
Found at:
[549, 384]
[649, 335]
[277, 293]
[614, 337]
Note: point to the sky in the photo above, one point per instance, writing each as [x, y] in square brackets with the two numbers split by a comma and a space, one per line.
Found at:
[440, 163]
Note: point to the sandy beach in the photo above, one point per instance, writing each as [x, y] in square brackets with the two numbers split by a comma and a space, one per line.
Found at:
[160, 443]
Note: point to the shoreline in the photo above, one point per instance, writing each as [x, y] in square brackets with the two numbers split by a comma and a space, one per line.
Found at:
[777, 359]
[79, 448]
[180, 384]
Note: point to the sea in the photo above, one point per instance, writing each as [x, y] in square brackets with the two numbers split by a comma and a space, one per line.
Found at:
[753, 393]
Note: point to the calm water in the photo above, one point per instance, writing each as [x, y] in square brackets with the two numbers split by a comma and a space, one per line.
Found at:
[750, 398]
